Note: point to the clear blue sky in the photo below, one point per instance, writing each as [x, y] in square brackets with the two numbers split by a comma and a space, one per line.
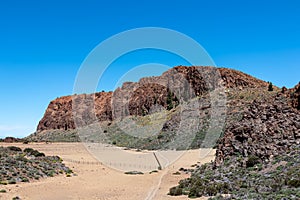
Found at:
[43, 44]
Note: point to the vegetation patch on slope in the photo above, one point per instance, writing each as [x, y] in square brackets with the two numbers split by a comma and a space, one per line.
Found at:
[276, 179]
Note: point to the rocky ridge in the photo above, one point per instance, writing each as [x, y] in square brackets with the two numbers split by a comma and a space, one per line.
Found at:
[166, 91]
[60, 112]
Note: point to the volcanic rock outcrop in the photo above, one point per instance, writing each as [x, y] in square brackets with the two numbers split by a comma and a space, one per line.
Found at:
[149, 94]
[60, 112]
[268, 128]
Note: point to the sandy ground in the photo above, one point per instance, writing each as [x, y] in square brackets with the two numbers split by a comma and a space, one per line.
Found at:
[98, 181]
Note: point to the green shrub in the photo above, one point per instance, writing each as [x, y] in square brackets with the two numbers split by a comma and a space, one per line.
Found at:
[3, 191]
[170, 101]
[211, 190]
[14, 148]
[33, 152]
[252, 161]
[24, 179]
[294, 183]
[175, 191]
[12, 181]
[3, 182]
[270, 87]
[69, 171]
[134, 173]
[194, 192]
[28, 150]
[153, 171]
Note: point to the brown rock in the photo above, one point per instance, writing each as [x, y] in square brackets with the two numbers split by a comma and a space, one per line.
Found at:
[162, 92]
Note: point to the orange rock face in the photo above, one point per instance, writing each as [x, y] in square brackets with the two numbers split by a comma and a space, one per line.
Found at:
[60, 112]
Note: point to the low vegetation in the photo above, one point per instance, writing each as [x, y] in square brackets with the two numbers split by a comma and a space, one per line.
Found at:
[17, 165]
[134, 173]
[278, 178]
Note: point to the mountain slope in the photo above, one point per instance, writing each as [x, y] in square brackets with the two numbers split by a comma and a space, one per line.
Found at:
[162, 94]
[258, 155]
[142, 95]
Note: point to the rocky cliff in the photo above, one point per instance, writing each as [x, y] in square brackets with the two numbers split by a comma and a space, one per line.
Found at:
[140, 98]
[59, 114]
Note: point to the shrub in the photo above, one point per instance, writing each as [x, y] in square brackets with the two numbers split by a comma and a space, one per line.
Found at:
[24, 179]
[12, 181]
[170, 101]
[294, 183]
[3, 182]
[175, 191]
[69, 171]
[14, 148]
[211, 190]
[134, 173]
[28, 150]
[2, 191]
[252, 160]
[153, 171]
[270, 87]
[194, 192]
[33, 152]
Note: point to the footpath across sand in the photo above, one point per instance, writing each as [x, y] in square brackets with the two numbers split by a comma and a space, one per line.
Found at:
[98, 181]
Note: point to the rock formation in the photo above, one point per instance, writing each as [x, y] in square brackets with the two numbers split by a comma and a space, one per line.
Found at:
[268, 128]
[59, 114]
[166, 91]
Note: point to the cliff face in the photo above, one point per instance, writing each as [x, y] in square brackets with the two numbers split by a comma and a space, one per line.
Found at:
[176, 86]
[165, 91]
[59, 114]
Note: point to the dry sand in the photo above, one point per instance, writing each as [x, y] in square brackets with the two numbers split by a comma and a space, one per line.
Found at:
[97, 181]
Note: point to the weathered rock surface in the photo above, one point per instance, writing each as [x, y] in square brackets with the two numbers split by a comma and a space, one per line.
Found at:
[269, 127]
[294, 95]
[59, 114]
[148, 95]
[258, 155]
